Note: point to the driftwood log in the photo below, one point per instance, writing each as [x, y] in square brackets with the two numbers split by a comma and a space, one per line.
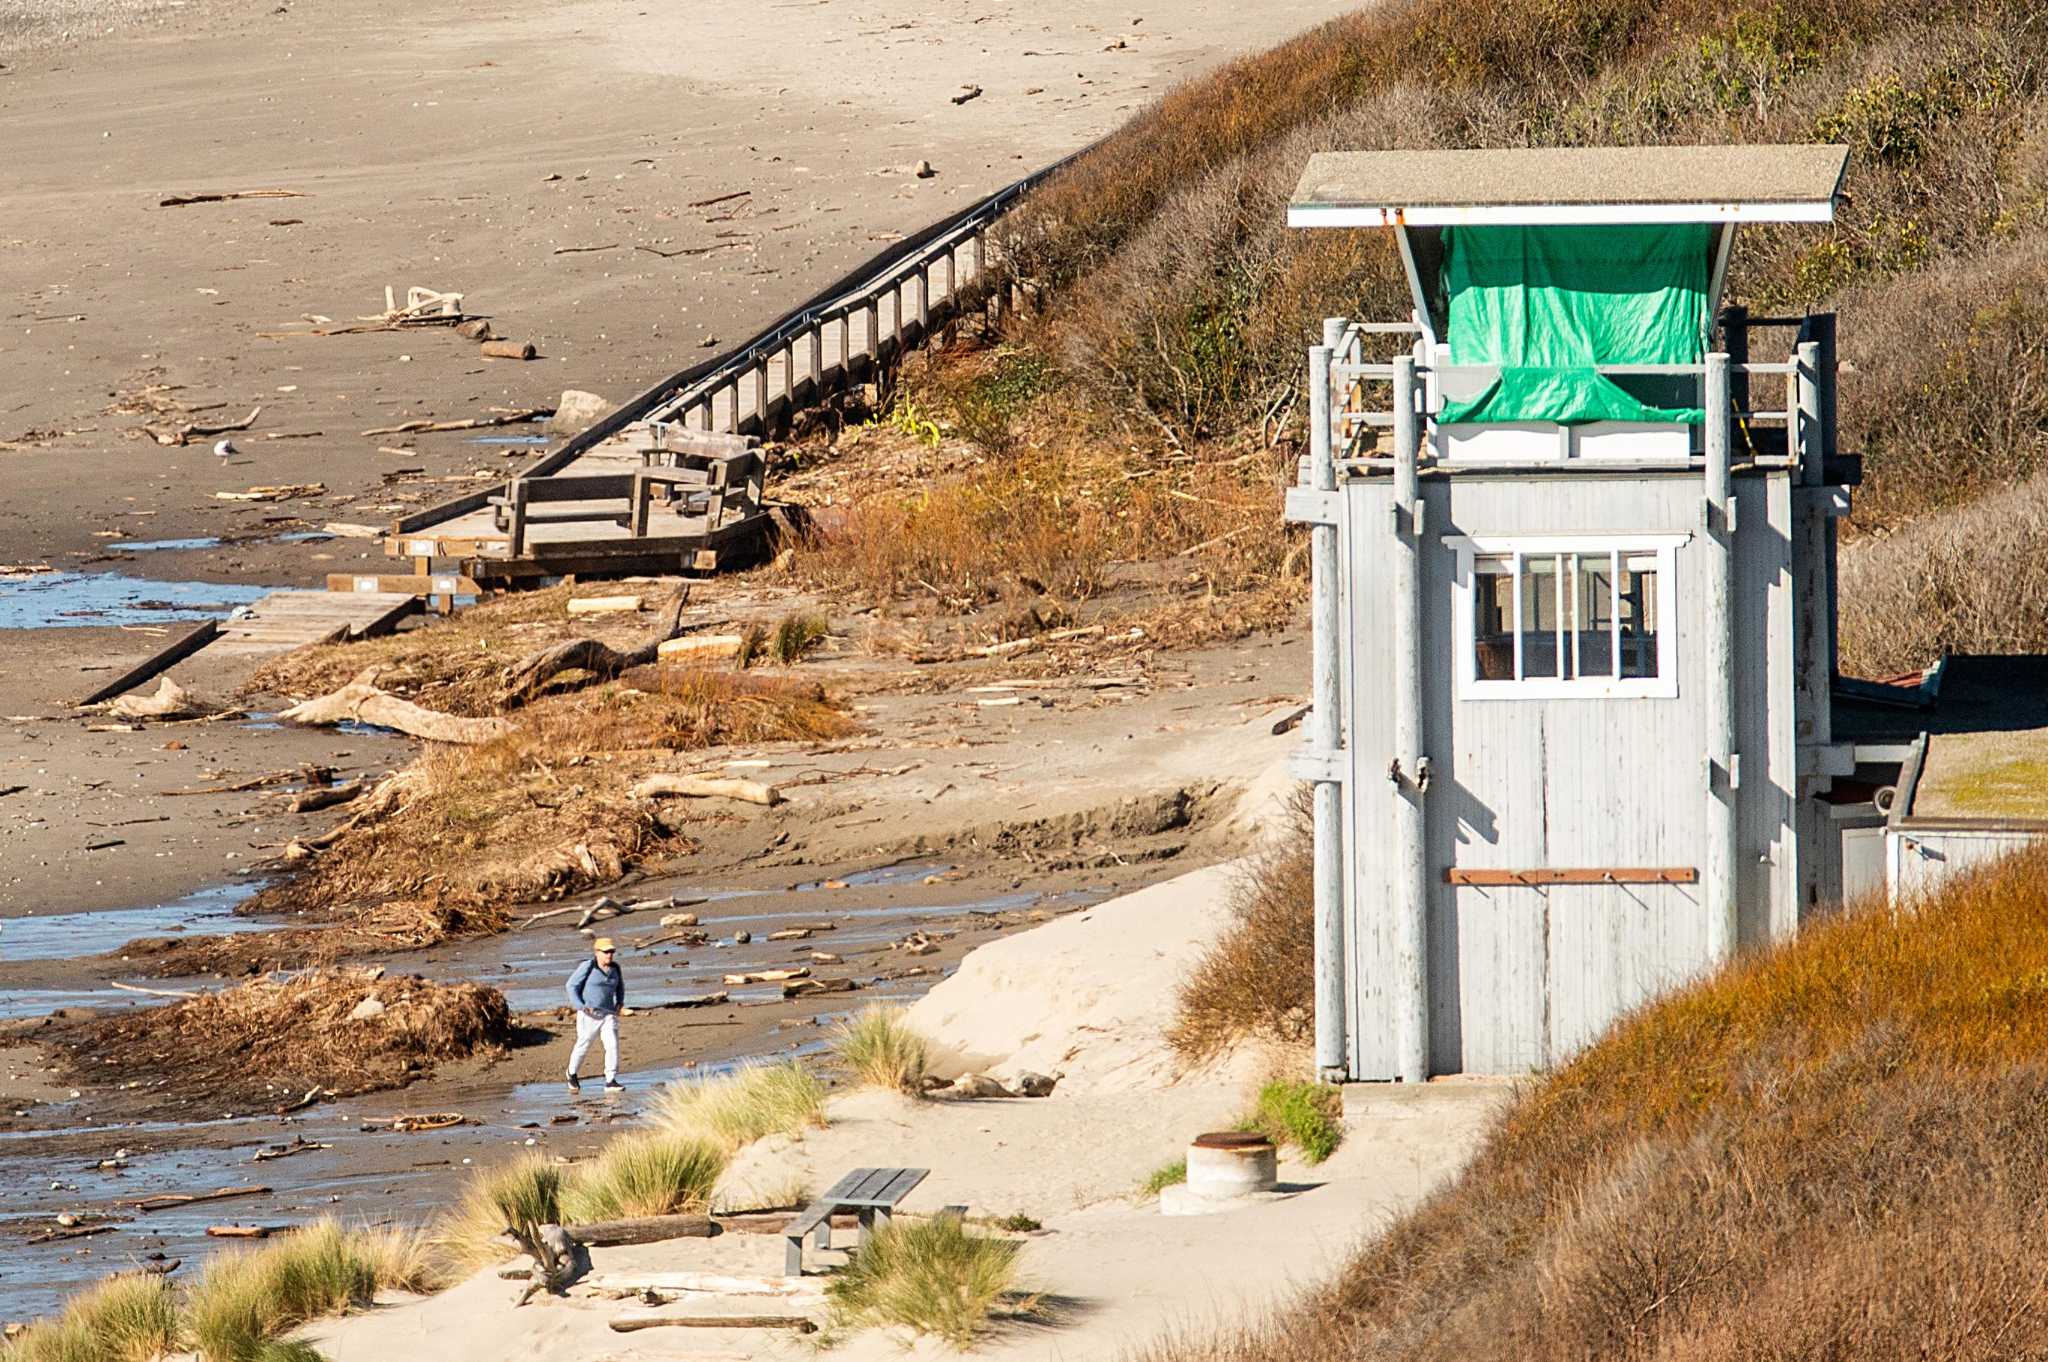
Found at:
[713, 1283]
[307, 801]
[558, 1259]
[645, 1229]
[626, 1324]
[523, 679]
[705, 787]
[362, 701]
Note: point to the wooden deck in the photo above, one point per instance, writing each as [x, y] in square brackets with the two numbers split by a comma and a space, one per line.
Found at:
[291, 619]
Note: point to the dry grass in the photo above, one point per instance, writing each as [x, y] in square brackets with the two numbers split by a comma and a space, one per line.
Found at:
[1837, 1148]
[881, 1051]
[521, 1196]
[734, 1110]
[657, 1173]
[129, 1318]
[927, 1276]
[1973, 579]
[1031, 502]
[266, 1042]
[543, 811]
[1257, 980]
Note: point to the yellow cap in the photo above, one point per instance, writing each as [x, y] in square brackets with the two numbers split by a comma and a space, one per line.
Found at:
[603, 943]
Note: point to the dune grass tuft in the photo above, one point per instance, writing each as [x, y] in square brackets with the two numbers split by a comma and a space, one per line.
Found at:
[1256, 980]
[1308, 1116]
[244, 1302]
[129, 1318]
[929, 1276]
[882, 1051]
[796, 635]
[522, 1195]
[655, 1173]
[736, 1109]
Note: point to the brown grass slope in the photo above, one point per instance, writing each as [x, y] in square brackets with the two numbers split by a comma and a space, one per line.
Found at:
[1183, 303]
[1833, 1149]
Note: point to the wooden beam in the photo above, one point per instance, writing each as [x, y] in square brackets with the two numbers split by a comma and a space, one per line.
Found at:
[1669, 874]
[439, 584]
[163, 659]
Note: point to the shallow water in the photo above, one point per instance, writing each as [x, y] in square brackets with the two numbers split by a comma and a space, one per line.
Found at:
[57, 600]
[58, 936]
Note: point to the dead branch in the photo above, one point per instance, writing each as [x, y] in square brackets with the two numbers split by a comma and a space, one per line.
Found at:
[626, 1324]
[307, 801]
[170, 1199]
[183, 200]
[525, 678]
[510, 418]
[153, 992]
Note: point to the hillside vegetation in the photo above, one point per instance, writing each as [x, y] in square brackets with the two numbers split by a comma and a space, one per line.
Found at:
[1836, 1149]
[1180, 303]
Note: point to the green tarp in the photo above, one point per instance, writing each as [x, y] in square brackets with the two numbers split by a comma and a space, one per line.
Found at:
[1546, 304]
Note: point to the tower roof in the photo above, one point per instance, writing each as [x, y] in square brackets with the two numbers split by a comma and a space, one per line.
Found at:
[1588, 186]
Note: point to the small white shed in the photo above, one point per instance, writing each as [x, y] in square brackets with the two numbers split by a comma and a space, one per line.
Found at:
[1574, 599]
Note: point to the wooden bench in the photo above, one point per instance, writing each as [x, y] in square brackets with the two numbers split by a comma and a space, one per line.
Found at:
[868, 1192]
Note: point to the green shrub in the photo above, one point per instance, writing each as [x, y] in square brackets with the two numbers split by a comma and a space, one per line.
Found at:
[1308, 1116]
[882, 1051]
[737, 1109]
[658, 1173]
[929, 1276]
[1164, 1176]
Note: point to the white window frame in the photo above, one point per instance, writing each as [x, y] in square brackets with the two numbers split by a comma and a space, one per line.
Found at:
[1662, 686]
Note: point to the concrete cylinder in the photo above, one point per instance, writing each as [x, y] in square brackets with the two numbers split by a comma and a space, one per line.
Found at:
[1231, 1163]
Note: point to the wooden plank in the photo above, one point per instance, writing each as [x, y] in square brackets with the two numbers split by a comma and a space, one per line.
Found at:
[163, 659]
[392, 584]
[1595, 875]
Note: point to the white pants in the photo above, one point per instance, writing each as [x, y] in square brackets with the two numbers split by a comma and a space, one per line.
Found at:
[607, 1029]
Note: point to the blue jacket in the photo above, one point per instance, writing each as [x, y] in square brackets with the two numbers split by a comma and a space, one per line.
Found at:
[592, 989]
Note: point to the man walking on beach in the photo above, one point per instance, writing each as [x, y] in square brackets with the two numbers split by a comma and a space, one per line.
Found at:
[597, 990]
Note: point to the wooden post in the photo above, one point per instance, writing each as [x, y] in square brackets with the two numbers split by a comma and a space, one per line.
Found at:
[924, 299]
[642, 494]
[760, 395]
[845, 348]
[1325, 735]
[704, 413]
[1717, 588]
[875, 335]
[517, 526]
[1409, 983]
[1735, 340]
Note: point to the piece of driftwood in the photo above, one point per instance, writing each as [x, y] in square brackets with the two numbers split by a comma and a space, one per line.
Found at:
[804, 988]
[242, 1231]
[769, 976]
[162, 660]
[188, 432]
[309, 801]
[714, 1283]
[184, 200]
[360, 700]
[557, 1259]
[169, 1199]
[604, 605]
[718, 999]
[702, 647]
[425, 426]
[705, 787]
[603, 662]
[626, 1324]
[72, 1232]
[505, 349]
[168, 701]
[643, 1229]
[152, 992]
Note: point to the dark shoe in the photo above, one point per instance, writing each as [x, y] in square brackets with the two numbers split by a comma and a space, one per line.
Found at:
[613, 1085]
[575, 1083]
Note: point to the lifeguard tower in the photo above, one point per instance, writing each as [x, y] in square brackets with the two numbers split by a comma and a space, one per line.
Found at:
[1573, 601]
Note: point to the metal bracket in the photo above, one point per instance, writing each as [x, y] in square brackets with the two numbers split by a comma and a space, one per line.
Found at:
[1317, 766]
[1310, 506]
